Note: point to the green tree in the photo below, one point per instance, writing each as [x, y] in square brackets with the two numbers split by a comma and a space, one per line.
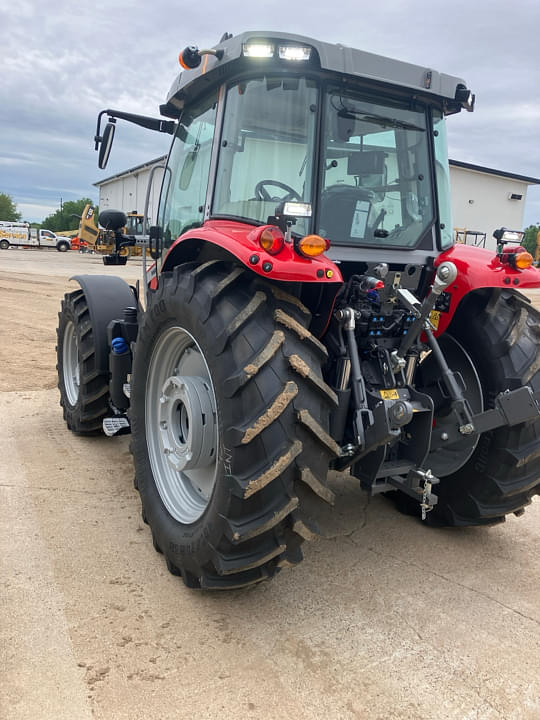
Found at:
[8, 209]
[68, 218]
[529, 239]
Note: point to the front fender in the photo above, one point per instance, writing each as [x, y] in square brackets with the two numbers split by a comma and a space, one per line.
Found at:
[106, 297]
[479, 268]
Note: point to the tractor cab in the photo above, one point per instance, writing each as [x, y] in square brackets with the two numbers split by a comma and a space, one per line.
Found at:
[359, 163]
[357, 168]
[353, 143]
[134, 223]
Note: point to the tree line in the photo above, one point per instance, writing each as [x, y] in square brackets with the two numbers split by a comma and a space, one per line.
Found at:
[69, 217]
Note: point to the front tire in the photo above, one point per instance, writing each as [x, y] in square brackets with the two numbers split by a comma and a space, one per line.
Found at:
[226, 371]
[62, 247]
[4, 245]
[84, 389]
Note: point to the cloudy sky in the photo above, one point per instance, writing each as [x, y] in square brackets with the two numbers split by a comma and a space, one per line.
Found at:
[62, 65]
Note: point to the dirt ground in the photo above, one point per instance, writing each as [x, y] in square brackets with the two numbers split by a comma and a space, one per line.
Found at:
[385, 618]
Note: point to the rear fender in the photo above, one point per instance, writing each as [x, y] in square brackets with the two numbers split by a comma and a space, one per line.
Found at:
[478, 268]
[106, 296]
[234, 238]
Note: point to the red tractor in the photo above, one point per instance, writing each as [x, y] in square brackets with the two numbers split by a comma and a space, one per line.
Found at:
[307, 310]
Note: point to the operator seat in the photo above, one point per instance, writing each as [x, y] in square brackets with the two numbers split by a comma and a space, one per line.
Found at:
[344, 212]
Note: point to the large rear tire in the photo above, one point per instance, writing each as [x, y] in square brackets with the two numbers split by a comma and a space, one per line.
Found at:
[500, 331]
[230, 420]
[84, 389]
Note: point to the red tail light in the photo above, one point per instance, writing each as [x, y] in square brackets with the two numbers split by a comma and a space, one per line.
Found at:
[270, 238]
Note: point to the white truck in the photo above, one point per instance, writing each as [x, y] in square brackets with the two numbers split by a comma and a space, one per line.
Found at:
[20, 234]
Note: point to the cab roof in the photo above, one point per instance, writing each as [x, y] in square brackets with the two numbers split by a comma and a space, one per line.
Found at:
[326, 58]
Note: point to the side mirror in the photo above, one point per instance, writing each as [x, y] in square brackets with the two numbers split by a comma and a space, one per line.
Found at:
[106, 145]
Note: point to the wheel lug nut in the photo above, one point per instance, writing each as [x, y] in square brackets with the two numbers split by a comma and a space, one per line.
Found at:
[163, 399]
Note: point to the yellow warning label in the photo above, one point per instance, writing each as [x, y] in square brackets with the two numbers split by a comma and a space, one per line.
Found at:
[389, 394]
[435, 316]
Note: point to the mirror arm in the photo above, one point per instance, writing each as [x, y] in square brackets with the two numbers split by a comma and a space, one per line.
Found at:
[121, 241]
[98, 137]
[164, 126]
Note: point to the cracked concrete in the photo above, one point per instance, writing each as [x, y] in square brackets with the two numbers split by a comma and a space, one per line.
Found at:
[385, 618]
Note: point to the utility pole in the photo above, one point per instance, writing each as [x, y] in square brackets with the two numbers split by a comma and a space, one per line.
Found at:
[61, 214]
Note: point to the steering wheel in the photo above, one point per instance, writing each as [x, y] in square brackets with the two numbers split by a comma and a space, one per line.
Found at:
[261, 193]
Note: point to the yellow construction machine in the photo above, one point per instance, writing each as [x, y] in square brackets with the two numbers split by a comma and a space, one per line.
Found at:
[96, 239]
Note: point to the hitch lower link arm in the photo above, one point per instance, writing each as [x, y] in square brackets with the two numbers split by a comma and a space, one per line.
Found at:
[362, 413]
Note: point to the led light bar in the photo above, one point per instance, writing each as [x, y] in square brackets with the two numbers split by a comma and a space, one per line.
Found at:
[294, 52]
[297, 209]
[258, 50]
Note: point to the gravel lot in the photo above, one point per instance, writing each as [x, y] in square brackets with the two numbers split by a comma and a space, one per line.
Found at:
[385, 618]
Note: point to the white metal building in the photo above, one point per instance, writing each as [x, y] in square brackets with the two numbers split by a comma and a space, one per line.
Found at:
[483, 199]
[127, 190]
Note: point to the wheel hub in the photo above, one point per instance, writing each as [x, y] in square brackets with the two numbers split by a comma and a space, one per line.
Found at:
[181, 425]
[187, 422]
[446, 460]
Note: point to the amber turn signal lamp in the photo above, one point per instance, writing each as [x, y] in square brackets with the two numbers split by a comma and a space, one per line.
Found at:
[523, 260]
[190, 57]
[312, 245]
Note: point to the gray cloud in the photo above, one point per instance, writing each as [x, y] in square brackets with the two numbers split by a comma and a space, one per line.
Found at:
[61, 67]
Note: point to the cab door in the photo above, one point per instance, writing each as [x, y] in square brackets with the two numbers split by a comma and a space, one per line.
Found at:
[186, 176]
[47, 238]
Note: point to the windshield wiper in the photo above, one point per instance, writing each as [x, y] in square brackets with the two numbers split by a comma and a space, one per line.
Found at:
[380, 120]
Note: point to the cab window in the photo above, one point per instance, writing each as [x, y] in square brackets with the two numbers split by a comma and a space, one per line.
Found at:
[185, 180]
[267, 148]
[377, 186]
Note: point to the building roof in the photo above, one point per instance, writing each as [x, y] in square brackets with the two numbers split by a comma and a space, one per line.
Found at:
[492, 171]
[129, 171]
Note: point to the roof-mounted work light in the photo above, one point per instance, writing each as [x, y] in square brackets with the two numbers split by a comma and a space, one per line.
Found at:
[294, 52]
[258, 49]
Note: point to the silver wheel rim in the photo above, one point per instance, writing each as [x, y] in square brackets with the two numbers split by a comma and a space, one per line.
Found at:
[70, 361]
[181, 425]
